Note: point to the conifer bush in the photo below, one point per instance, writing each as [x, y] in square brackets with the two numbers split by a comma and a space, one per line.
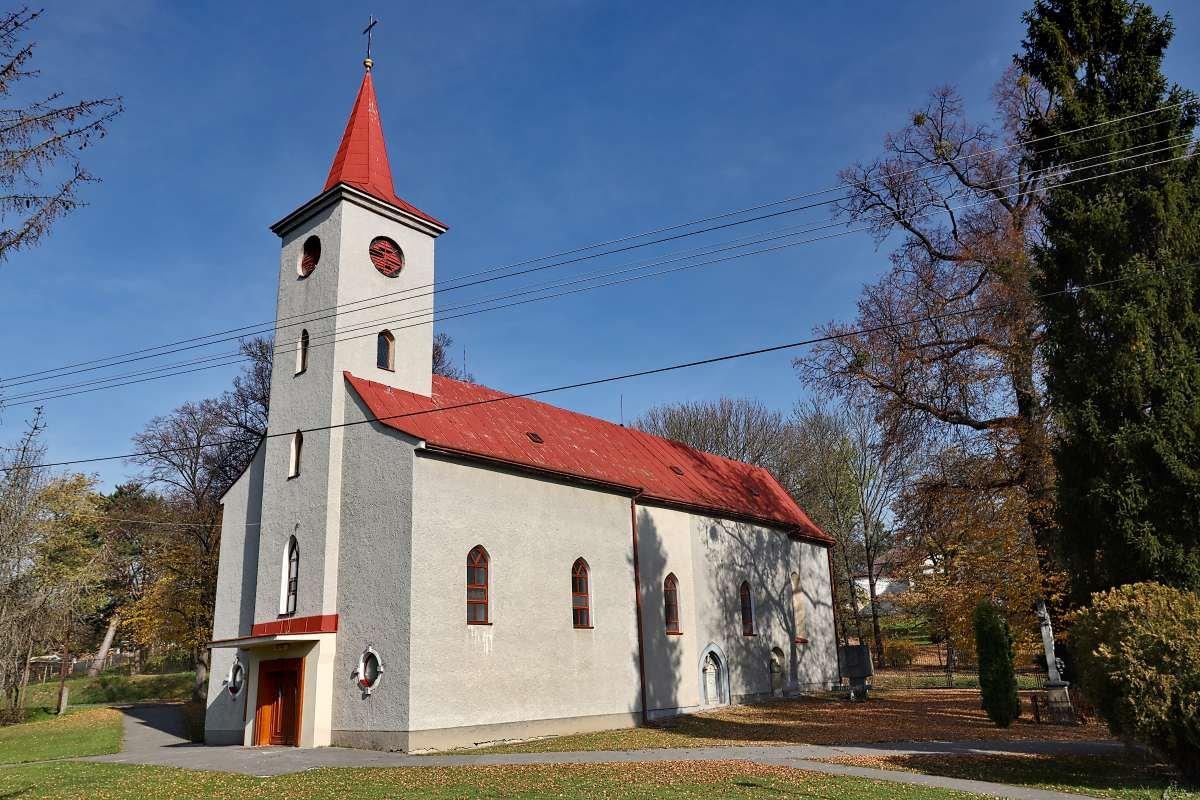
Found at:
[1137, 654]
[997, 680]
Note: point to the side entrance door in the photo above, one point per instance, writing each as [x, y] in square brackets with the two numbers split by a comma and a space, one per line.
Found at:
[277, 716]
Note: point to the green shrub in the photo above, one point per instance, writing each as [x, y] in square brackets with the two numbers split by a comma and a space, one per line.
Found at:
[899, 653]
[1137, 656]
[997, 680]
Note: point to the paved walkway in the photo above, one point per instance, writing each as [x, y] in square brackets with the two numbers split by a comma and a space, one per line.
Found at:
[155, 735]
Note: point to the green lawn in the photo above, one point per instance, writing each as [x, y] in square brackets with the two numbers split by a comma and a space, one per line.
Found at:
[1128, 777]
[659, 781]
[86, 732]
[113, 688]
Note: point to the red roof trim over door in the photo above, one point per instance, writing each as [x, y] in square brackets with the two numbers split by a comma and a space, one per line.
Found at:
[321, 623]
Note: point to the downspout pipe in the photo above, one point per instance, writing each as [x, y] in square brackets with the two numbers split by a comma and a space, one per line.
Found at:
[637, 596]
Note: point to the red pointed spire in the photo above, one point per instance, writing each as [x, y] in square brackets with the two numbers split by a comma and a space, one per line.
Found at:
[361, 160]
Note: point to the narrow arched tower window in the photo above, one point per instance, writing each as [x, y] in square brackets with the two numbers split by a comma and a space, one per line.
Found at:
[385, 351]
[671, 603]
[302, 352]
[297, 448]
[291, 578]
[477, 586]
[581, 599]
[747, 603]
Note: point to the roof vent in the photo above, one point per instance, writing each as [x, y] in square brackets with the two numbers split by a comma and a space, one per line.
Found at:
[752, 490]
[533, 437]
[676, 470]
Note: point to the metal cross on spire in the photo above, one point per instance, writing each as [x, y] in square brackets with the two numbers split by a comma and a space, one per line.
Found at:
[371, 23]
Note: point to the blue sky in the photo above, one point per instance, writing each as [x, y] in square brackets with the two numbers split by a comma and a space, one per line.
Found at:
[529, 127]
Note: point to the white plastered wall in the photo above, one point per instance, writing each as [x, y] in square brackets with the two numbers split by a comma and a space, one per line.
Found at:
[529, 663]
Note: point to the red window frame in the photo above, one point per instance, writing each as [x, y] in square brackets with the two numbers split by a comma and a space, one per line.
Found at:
[671, 604]
[747, 603]
[581, 599]
[477, 586]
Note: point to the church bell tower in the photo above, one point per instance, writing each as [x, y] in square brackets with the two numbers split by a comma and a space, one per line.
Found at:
[356, 275]
[357, 269]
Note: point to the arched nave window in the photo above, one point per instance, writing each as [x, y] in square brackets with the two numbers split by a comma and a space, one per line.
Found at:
[747, 603]
[302, 352]
[477, 586]
[671, 603]
[291, 578]
[297, 448]
[385, 351]
[581, 600]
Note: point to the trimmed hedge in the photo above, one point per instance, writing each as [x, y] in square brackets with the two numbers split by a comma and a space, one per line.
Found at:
[1137, 652]
[997, 679]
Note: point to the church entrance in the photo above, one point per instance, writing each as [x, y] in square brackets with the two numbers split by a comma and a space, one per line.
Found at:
[277, 715]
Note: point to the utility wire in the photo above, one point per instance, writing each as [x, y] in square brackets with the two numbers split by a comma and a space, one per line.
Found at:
[234, 358]
[247, 329]
[583, 384]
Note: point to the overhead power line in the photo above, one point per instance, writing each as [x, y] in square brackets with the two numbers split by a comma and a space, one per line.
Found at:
[223, 360]
[251, 329]
[585, 383]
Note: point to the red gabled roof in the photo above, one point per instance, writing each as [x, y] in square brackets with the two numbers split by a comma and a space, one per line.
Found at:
[361, 160]
[477, 421]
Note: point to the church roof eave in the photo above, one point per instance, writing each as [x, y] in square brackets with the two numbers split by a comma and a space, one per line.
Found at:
[475, 422]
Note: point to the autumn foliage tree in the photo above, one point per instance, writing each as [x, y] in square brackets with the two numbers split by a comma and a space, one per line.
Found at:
[967, 545]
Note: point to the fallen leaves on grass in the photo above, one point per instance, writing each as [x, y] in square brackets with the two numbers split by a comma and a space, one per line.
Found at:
[1131, 776]
[664, 780]
[89, 732]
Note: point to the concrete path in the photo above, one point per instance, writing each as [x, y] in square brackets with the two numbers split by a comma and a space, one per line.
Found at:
[154, 735]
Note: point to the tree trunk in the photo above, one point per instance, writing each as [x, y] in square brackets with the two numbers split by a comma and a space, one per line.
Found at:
[853, 595]
[875, 630]
[200, 662]
[24, 675]
[951, 658]
[63, 669]
[105, 646]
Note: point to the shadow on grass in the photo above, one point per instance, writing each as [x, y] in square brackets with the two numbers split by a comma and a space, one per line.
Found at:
[1130, 774]
[944, 715]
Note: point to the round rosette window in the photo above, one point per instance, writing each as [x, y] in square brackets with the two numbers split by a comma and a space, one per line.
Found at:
[370, 670]
[386, 256]
[310, 255]
[235, 681]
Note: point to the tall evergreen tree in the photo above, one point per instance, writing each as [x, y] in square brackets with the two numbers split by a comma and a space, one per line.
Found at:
[1123, 358]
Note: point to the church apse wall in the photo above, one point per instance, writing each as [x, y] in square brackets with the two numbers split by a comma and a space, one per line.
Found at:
[711, 558]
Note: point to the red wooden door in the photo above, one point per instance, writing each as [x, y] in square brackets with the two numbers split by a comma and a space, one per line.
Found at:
[277, 716]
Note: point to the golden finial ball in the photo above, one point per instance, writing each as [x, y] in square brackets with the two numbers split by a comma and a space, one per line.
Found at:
[368, 63]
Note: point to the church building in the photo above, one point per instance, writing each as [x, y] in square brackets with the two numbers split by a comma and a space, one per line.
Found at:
[412, 562]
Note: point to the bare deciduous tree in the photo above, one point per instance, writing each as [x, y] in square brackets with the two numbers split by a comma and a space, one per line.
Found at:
[176, 604]
[739, 428]
[40, 170]
[443, 361]
[954, 328]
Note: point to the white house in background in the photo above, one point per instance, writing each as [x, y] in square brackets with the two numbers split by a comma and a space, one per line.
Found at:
[412, 562]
